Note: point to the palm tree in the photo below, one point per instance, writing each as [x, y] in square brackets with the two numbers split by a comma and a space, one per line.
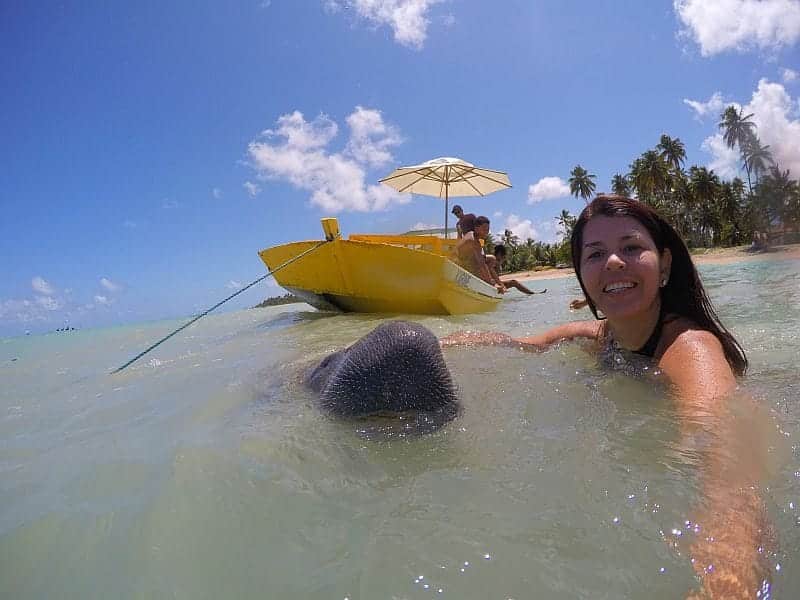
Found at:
[776, 193]
[756, 156]
[738, 130]
[673, 152]
[650, 176]
[581, 184]
[567, 222]
[704, 185]
[683, 205]
[730, 213]
[620, 185]
[738, 126]
[738, 188]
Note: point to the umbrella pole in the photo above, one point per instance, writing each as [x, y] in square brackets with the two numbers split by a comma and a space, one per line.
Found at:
[445, 209]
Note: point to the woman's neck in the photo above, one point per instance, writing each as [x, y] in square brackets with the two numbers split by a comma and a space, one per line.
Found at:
[633, 332]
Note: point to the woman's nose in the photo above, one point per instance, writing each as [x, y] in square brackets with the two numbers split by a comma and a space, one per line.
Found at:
[614, 262]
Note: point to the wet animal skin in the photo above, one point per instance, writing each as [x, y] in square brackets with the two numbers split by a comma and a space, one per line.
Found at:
[396, 370]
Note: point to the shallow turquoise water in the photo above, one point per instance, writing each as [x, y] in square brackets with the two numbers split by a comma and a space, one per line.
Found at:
[205, 471]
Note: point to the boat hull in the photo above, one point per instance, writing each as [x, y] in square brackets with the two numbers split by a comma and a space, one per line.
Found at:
[361, 276]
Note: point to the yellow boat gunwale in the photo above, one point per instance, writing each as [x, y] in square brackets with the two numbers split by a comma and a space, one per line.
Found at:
[384, 274]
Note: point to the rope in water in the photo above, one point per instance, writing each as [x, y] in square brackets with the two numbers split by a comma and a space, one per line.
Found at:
[218, 304]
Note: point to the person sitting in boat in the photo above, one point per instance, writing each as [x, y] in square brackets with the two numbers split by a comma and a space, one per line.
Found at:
[635, 269]
[495, 263]
[465, 226]
[470, 256]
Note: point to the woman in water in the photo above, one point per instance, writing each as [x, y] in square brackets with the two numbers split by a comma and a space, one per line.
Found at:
[644, 291]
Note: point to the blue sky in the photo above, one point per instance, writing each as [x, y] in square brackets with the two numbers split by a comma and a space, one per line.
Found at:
[150, 149]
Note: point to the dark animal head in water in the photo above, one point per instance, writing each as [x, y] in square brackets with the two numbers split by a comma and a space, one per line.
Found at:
[396, 371]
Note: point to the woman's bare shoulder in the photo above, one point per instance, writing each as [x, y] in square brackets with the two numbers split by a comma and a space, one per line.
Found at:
[693, 358]
[682, 334]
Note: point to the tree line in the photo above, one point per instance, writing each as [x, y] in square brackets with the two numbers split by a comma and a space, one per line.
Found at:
[276, 300]
[704, 208]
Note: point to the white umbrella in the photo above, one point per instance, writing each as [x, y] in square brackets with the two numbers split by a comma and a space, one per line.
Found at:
[446, 177]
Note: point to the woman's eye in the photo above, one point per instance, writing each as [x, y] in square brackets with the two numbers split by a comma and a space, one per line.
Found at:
[630, 248]
[592, 255]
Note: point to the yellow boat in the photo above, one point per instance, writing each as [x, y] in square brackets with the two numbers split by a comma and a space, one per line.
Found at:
[379, 274]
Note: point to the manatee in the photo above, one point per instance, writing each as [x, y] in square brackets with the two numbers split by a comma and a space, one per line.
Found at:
[395, 373]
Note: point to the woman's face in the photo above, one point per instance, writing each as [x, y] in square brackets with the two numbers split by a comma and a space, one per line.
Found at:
[621, 267]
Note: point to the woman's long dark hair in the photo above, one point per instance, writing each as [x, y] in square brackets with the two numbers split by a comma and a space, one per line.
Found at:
[684, 294]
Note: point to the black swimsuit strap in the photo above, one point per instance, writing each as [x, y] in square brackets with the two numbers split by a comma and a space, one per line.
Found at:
[649, 347]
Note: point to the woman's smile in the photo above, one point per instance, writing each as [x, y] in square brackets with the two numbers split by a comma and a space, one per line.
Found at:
[619, 287]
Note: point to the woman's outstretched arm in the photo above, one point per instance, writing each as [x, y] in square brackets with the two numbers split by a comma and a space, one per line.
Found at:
[567, 331]
[727, 551]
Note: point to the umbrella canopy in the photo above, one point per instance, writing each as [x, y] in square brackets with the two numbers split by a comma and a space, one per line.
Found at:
[446, 177]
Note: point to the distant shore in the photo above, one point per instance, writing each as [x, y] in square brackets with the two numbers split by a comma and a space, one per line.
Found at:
[713, 256]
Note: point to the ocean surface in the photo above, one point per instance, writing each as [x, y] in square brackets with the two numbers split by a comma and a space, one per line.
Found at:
[205, 470]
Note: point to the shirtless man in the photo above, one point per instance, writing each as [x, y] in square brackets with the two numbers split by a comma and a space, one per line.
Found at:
[470, 255]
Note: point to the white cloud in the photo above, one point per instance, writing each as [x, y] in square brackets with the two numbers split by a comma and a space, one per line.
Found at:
[17, 310]
[420, 226]
[48, 302]
[302, 135]
[101, 300]
[110, 285]
[371, 138]
[776, 117]
[721, 25]
[168, 204]
[253, 189]
[549, 231]
[712, 108]
[547, 188]
[497, 213]
[39, 308]
[41, 286]
[789, 75]
[337, 181]
[407, 18]
[233, 285]
[217, 193]
[522, 228]
[725, 161]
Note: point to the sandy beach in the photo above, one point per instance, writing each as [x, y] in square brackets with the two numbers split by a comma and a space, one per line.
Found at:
[709, 256]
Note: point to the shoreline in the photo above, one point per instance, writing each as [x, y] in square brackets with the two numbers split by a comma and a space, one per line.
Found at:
[711, 256]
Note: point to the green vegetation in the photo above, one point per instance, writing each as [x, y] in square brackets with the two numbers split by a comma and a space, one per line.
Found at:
[706, 210]
[276, 300]
[530, 255]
